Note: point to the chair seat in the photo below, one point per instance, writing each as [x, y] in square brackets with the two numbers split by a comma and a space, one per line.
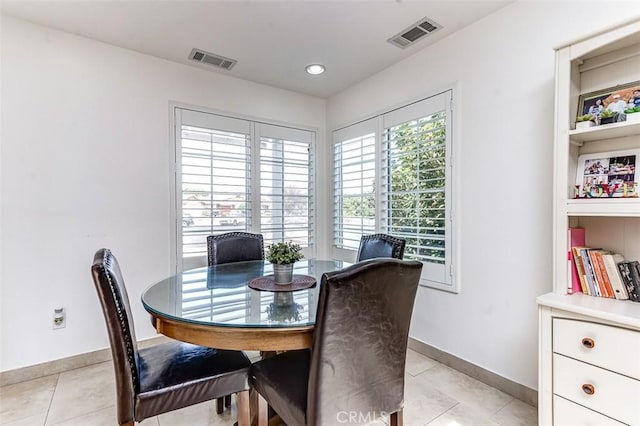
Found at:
[175, 374]
[283, 381]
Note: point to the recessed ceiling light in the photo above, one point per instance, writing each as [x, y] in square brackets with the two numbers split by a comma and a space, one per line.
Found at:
[315, 69]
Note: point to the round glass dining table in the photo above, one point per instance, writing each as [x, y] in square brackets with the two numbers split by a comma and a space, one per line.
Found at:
[214, 306]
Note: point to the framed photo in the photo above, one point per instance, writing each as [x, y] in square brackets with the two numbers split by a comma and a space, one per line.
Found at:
[617, 98]
[608, 174]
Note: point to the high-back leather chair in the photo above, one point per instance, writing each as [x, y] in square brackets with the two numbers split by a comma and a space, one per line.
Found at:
[234, 247]
[168, 376]
[380, 245]
[357, 362]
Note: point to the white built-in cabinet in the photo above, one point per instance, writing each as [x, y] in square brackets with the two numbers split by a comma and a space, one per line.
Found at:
[589, 348]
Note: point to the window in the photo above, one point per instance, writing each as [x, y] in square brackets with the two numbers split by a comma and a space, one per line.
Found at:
[286, 182]
[354, 184]
[410, 194]
[237, 175]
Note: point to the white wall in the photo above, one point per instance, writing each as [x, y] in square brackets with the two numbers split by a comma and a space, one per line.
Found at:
[85, 164]
[504, 68]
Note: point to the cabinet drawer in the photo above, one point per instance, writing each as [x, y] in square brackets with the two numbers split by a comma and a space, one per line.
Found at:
[614, 395]
[616, 349]
[568, 413]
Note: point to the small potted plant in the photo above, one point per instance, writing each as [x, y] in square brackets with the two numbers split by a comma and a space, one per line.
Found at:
[607, 117]
[283, 255]
[584, 121]
[633, 114]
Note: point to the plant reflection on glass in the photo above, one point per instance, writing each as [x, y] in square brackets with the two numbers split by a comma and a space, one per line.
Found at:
[283, 308]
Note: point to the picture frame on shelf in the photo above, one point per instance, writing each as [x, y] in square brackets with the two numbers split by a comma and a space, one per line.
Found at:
[610, 99]
[611, 174]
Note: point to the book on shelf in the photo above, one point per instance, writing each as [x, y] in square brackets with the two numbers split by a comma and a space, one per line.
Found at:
[630, 274]
[581, 271]
[600, 272]
[594, 288]
[575, 238]
[635, 276]
[610, 262]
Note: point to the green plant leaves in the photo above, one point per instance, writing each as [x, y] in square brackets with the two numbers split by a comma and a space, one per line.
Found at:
[284, 253]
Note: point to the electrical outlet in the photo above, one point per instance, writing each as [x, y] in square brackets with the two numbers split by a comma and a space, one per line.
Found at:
[59, 318]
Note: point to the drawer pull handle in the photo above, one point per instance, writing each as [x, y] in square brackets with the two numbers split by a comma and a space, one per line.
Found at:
[588, 389]
[588, 343]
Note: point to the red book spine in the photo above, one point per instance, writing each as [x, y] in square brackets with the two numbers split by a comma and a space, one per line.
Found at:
[605, 275]
[575, 238]
[597, 273]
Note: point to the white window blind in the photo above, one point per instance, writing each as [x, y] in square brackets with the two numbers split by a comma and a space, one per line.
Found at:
[238, 175]
[414, 183]
[411, 194]
[215, 177]
[286, 184]
[354, 174]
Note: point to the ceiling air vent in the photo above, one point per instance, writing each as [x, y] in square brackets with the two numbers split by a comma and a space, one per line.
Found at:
[212, 59]
[415, 32]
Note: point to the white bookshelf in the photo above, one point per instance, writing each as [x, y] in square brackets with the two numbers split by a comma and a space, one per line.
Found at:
[604, 132]
[568, 323]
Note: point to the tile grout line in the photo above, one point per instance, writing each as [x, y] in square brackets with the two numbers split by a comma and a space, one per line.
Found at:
[442, 414]
[82, 415]
[426, 369]
[504, 406]
[53, 394]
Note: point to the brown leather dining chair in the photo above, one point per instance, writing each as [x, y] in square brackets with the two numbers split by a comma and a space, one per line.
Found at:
[356, 365]
[228, 248]
[234, 247]
[168, 376]
[380, 245]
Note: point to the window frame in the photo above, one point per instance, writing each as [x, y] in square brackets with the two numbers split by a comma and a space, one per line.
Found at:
[450, 281]
[357, 132]
[253, 225]
[296, 137]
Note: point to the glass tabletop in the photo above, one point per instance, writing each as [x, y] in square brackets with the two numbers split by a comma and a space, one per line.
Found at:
[220, 296]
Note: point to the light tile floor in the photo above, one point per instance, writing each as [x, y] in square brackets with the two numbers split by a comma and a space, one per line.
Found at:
[435, 395]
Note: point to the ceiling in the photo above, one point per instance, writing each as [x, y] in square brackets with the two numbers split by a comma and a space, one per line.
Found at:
[272, 41]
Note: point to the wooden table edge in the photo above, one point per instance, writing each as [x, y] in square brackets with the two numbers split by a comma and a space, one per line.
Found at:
[236, 338]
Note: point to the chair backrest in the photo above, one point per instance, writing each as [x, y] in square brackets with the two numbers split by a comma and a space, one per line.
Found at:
[380, 245]
[117, 314]
[234, 247]
[360, 339]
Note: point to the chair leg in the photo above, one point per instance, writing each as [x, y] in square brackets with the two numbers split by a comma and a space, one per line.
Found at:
[263, 411]
[396, 418]
[244, 414]
[220, 405]
[128, 424]
[227, 401]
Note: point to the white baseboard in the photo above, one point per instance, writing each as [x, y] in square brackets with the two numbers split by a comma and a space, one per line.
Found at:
[516, 390]
[37, 371]
[523, 393]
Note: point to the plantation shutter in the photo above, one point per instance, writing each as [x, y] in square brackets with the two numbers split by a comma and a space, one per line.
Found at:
[286, 184]
[213, 171]
[413, 184]
[354, 174]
